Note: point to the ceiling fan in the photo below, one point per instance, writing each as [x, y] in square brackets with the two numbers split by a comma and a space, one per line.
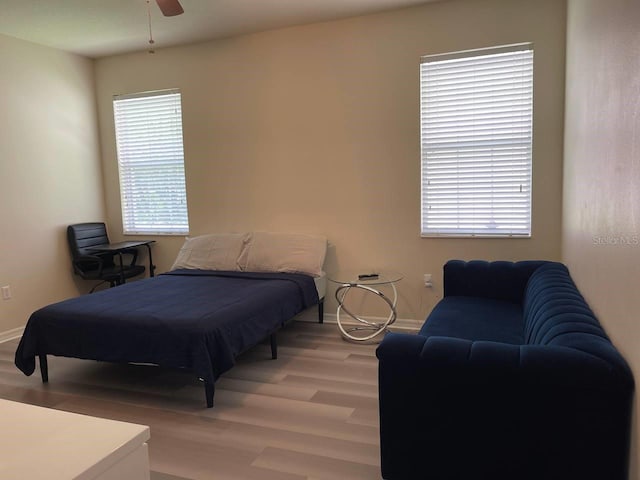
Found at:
[170, 8]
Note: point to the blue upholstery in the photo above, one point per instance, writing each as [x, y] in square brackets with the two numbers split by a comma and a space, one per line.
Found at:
[474, 318]
[510, 377]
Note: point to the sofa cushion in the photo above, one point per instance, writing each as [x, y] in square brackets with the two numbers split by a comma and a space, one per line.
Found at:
[475, 318]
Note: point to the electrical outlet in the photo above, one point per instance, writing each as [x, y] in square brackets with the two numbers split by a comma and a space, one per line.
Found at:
[6, 292]
[427, 280]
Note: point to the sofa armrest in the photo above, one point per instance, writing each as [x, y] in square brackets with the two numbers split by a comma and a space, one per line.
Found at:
[452, 408]
[498, 280]
[472, 363]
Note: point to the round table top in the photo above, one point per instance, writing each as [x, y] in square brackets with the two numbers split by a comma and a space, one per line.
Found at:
[352, 277]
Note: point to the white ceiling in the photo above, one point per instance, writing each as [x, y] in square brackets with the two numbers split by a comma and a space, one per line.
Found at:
[97, 28]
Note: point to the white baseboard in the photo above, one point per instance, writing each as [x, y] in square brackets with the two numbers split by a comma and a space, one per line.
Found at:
[408, 325]
[11, 334]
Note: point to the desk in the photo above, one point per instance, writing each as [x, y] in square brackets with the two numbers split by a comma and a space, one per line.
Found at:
[119, 247]
[351, 280]
[44, 444]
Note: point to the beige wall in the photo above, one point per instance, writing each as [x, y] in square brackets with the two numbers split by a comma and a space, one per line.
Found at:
[601, 231]
[315, 129]
[49, 171]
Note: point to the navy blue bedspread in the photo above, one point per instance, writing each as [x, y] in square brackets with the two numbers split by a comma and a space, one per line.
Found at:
[195, 319]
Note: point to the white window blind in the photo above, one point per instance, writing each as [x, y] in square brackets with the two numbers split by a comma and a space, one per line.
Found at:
[476, 141]
[151, 162]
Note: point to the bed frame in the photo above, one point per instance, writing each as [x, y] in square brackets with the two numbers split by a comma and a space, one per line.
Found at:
[209, 388]
[63, 319]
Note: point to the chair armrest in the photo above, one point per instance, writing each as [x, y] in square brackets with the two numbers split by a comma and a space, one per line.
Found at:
[87, 259]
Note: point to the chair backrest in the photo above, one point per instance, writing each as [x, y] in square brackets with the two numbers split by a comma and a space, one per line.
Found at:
[82, 236]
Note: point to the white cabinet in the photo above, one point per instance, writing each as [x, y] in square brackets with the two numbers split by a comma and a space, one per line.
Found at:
[41, 443]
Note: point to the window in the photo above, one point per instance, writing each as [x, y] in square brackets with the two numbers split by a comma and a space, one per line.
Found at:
[151, 163]
[476, 135]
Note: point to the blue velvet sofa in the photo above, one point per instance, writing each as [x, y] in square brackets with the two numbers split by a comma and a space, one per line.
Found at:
[511, 377]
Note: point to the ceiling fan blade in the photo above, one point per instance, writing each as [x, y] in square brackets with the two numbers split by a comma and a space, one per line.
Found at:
[170, 8]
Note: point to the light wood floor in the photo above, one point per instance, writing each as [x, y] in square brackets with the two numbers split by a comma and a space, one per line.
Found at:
[311, 414]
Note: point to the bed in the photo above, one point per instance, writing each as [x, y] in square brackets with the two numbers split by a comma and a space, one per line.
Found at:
[191, 317]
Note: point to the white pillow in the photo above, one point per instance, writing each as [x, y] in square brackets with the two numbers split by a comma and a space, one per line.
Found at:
[211, 252]
[284, 252]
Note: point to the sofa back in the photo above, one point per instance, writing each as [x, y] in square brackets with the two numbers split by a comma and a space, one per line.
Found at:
[499, 280]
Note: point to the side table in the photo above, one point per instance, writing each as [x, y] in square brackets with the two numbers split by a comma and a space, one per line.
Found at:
[357, 280]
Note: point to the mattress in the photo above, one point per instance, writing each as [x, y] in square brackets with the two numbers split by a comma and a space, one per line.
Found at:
[200, 320]
[321, 285]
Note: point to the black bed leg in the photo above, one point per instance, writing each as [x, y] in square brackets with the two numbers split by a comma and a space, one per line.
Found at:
[44, 368]
[208, 392]
[274, 346]
[321, 311]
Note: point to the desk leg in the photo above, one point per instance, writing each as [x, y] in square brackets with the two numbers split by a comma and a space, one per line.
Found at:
[121, 268]
[152, 267]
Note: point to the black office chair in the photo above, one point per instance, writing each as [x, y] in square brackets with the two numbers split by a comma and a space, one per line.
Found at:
[95, 265]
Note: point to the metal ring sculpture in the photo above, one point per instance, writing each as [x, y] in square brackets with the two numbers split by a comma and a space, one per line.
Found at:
[376, 328]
